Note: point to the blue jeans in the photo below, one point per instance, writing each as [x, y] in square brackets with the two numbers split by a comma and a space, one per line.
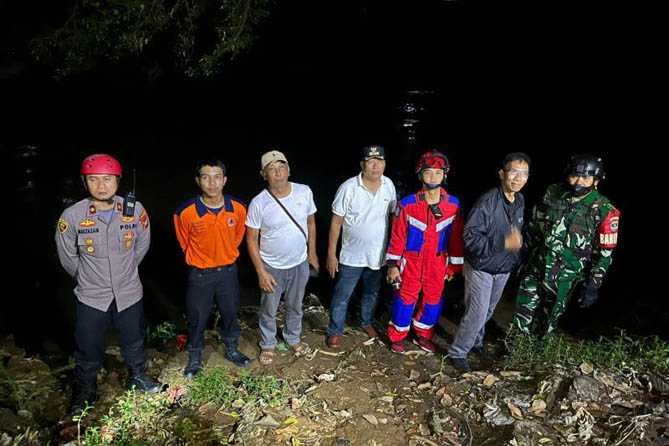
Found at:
[347, 279]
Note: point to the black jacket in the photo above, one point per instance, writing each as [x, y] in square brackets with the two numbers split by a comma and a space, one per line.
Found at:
[488, 223]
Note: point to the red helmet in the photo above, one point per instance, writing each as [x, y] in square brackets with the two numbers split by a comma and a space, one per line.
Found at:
[432, 159]
[100, 164]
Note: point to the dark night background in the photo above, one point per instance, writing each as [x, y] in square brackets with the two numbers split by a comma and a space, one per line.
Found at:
[323, 79]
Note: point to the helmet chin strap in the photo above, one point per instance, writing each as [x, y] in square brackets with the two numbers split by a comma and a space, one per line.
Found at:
[430, 186]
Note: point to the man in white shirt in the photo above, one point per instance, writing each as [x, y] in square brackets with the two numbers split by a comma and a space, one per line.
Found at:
[281, 239]
[362, 208]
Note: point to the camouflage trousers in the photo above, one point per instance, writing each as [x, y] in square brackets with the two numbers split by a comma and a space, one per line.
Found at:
[540, 303]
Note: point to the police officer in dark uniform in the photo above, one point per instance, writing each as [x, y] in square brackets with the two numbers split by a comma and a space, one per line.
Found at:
[100, 243]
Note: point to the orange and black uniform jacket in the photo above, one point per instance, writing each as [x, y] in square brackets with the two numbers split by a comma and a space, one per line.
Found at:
[210, 240]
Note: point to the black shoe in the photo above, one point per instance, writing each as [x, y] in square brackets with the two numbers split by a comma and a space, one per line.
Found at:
[461, 364]
[81, 398]
[482, 353]
[144, 383]
[194, 365]
[237, 358]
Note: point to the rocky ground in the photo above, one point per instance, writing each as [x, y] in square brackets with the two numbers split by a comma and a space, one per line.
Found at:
[360, 394]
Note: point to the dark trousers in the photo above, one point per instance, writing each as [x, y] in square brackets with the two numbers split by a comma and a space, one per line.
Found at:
[91, 327]
[204, 287]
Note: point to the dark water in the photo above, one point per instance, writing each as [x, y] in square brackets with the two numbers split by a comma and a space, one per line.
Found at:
[321, 82]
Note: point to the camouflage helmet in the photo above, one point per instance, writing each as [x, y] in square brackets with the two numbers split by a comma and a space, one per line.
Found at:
[586, 164]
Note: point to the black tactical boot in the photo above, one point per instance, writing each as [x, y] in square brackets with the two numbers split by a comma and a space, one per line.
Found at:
[237, 358]
[83, 394]
[194, 364]
[139, 380]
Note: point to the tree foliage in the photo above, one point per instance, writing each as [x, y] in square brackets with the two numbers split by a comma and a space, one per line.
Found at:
[193, 38]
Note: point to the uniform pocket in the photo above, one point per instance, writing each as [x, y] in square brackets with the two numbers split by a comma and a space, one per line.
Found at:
[91, 245]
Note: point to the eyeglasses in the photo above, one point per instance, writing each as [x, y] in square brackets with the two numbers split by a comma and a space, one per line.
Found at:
[523, 173]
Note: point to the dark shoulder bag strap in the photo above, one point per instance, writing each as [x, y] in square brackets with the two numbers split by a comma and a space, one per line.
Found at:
[289, 215]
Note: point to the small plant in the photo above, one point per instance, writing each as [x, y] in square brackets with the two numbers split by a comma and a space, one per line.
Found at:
[161, 333]
[79, 418]
[136, 418]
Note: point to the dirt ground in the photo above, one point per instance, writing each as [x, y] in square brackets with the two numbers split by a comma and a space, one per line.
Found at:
[358, 394]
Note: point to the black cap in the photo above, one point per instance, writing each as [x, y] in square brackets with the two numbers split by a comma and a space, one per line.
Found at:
[370, 152]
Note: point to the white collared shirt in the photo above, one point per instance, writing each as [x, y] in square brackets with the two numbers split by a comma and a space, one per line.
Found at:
[365, 226]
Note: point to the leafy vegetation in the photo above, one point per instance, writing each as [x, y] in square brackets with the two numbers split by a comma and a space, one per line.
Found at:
[194, 38]
[617, 353]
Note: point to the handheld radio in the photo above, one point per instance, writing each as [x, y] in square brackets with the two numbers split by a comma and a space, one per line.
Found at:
[129, 202]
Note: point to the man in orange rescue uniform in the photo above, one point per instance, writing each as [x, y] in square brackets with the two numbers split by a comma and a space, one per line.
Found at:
[210, 228]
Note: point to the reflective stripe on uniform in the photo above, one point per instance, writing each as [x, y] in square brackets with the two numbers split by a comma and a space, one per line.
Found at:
[443, 224]
[416, 223]
[398, 328]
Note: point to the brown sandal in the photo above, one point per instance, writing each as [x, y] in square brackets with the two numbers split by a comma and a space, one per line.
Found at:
[301, 349]
[266, 357]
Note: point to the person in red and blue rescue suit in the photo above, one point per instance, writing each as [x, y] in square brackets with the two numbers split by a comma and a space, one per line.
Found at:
[101, 247]
[425, 249]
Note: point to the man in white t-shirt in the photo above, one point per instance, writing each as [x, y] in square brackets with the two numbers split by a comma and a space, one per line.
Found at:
[281, 239]
[362, 207]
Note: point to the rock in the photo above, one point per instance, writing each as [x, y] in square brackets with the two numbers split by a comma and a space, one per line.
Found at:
[414, 375]
[586, 368]
[533, 433]
[586, 388]
[371, 419]
[341, 441]
[495, 416]
[446, 400]
[268, 421]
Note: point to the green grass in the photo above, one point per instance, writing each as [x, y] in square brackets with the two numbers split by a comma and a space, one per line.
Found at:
[620, 352]
[139, 418]
[218, 387]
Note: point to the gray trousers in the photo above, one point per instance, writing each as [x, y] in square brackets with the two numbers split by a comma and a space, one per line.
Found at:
[482, 293]
[291, 283]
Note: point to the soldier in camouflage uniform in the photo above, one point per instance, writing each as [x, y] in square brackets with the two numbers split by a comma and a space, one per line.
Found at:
[572, 234]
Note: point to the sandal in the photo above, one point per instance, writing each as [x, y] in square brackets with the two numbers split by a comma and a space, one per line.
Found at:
[266, 357]
[301, 349]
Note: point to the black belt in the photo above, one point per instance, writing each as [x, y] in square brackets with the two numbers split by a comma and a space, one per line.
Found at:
[215, 268]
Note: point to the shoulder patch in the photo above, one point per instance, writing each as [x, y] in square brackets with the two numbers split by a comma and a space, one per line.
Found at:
[144, 220]
[62, 225]
[608, 230]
